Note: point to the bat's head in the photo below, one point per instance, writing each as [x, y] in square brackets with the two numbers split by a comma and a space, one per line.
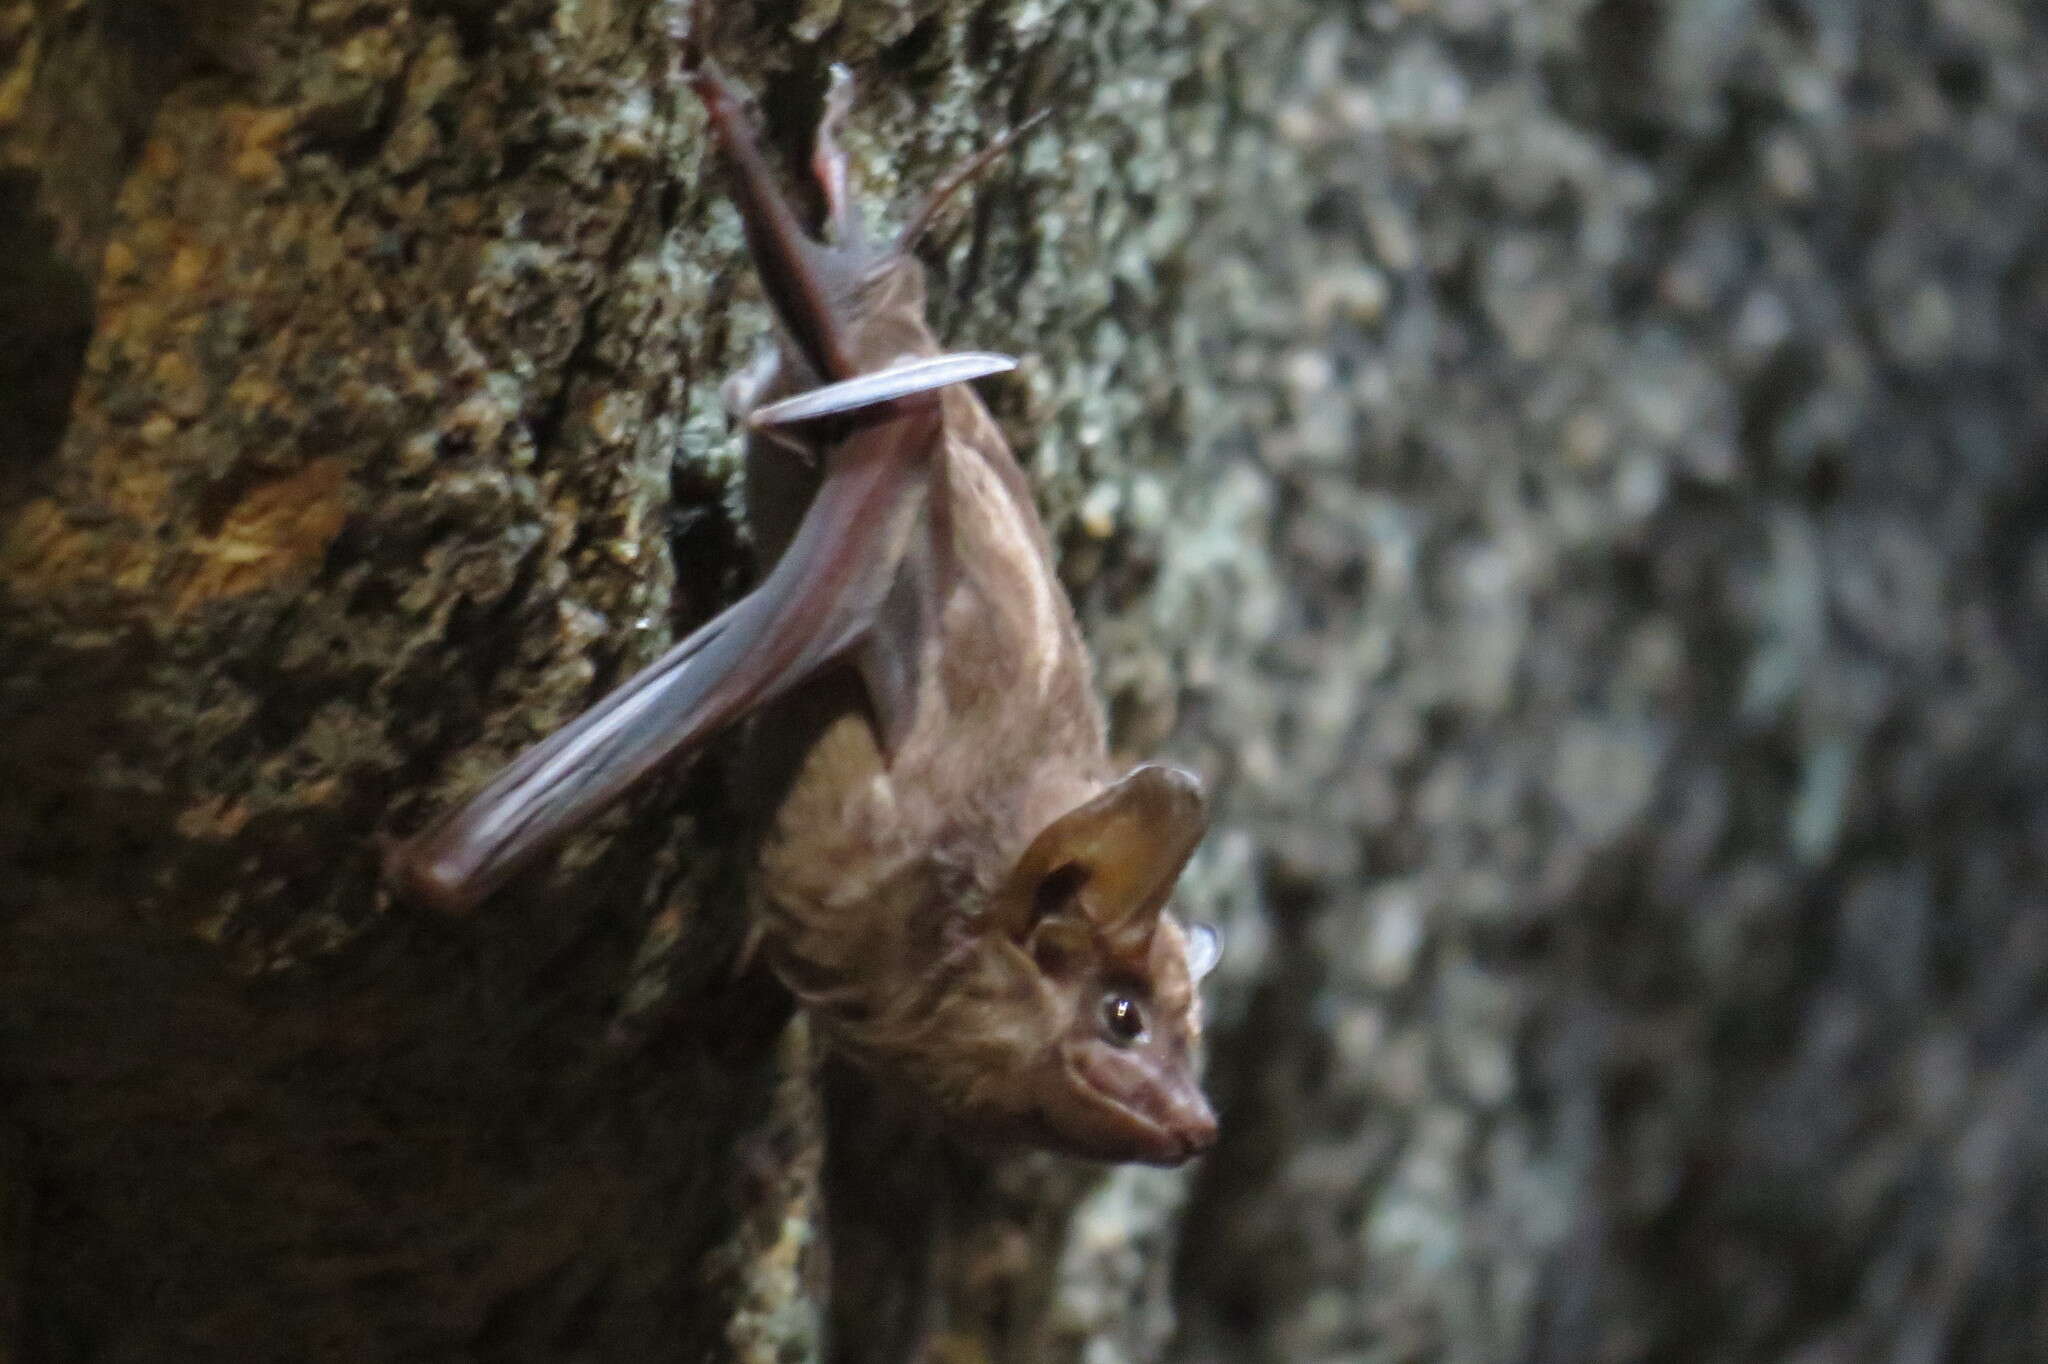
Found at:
[1111, 1071]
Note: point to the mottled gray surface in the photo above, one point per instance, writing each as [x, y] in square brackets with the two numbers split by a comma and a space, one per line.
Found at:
[1631, 421]
[1572, 473]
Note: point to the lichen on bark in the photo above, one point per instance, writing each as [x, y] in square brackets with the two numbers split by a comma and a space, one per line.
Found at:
[368, 430]
[1567, 471]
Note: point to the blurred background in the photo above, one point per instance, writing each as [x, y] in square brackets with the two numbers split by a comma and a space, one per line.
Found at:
[1571, 474]
[1640, 687]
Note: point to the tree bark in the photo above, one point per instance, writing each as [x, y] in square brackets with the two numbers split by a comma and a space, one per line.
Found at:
[1636, 681]
[1570, 472]
[361, 424]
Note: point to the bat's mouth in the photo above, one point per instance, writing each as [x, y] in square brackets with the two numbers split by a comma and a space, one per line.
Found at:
[1140, 1115]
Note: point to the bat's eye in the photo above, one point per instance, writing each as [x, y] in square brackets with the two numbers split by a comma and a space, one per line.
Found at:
[1123, 1022]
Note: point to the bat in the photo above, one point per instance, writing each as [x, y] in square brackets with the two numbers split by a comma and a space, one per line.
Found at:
[957, 884]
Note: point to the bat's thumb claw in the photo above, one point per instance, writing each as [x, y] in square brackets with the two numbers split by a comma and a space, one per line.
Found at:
[421, 880]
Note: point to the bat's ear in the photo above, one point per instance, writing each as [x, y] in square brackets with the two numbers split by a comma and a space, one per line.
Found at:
[1112, 861]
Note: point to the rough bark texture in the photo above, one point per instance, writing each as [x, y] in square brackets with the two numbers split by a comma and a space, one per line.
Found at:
[1572, 472]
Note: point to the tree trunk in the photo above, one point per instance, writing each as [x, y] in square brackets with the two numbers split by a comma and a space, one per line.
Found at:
[1571, 473]
[361, 424]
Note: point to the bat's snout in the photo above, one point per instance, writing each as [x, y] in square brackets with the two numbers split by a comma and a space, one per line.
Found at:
[1193, 1128]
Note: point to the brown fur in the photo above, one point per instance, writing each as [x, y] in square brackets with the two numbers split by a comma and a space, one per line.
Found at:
[878, 876]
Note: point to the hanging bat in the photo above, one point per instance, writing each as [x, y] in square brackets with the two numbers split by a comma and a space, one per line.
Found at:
[957, 884]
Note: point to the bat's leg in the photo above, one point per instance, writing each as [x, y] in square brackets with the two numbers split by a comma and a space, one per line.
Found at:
[920, 219]
[792, 266]
[828, 161]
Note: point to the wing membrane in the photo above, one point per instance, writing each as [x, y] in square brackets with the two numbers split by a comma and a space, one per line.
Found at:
[818, 603]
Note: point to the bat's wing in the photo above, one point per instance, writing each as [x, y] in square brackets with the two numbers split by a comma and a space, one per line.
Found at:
[907, 380]
[821, 601]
